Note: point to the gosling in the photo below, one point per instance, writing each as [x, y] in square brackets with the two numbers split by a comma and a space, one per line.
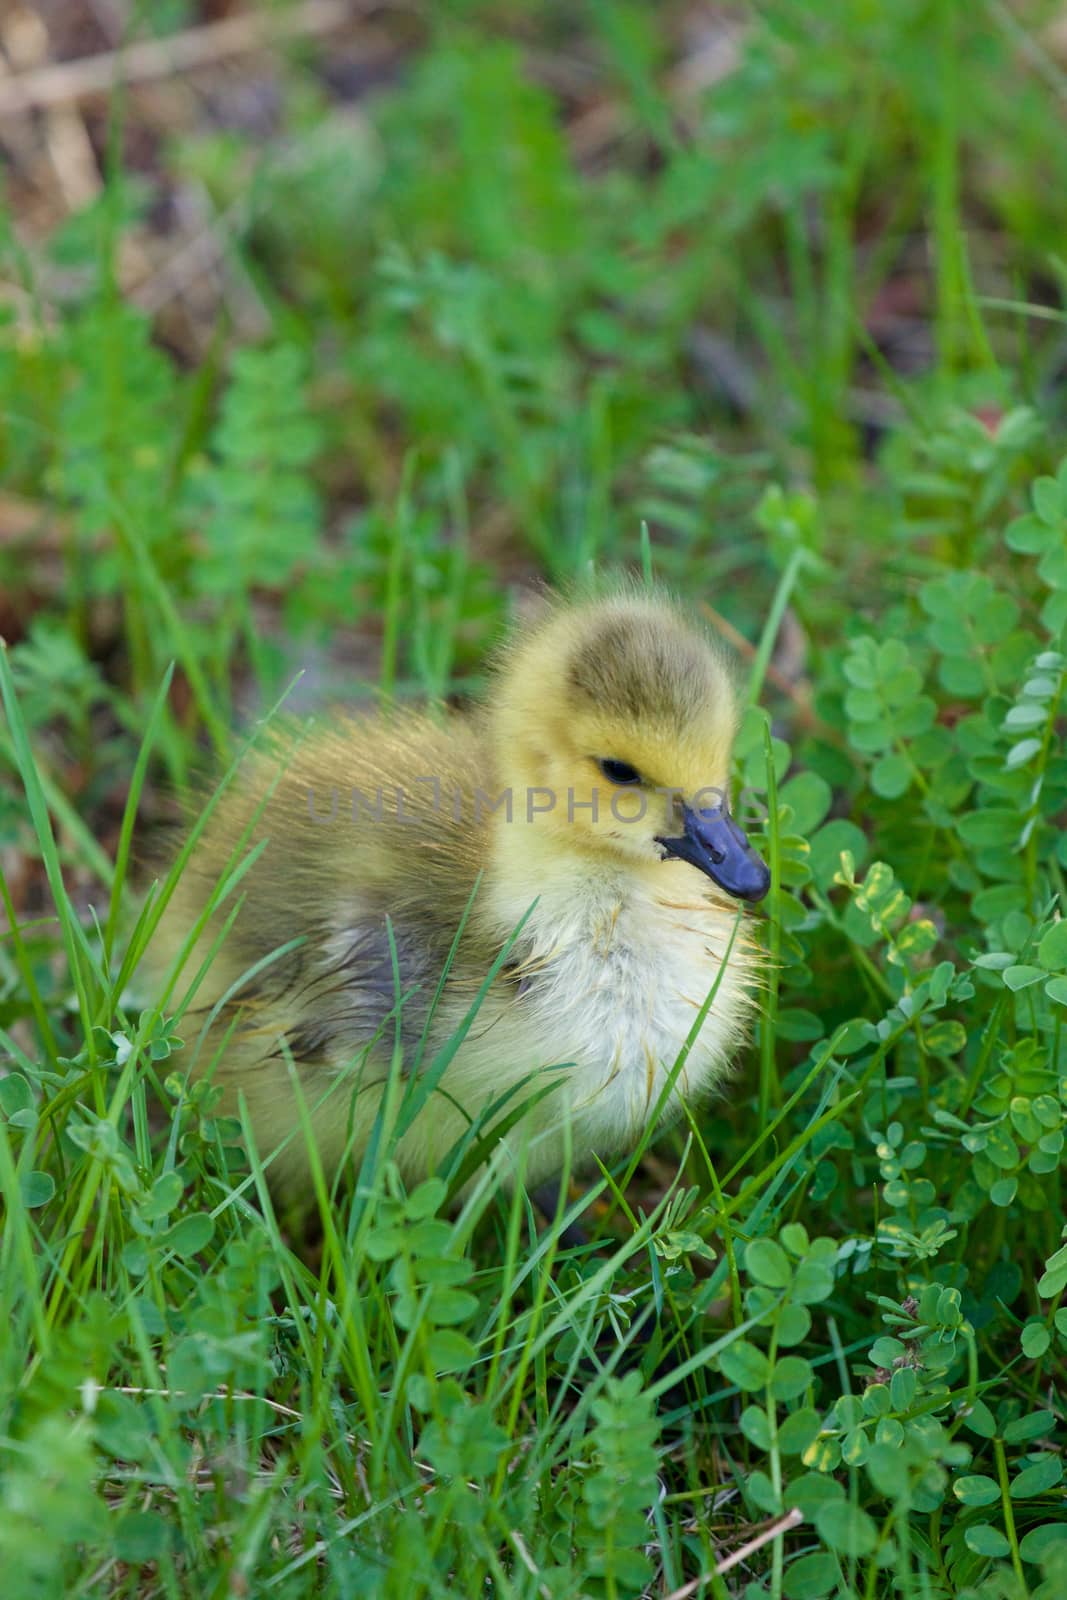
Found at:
[576, 825]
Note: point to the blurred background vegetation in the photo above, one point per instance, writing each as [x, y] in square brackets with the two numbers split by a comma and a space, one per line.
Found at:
[315, 352]
[327, 328]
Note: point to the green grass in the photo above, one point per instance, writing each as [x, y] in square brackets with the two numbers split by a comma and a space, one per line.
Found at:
[816, 1344]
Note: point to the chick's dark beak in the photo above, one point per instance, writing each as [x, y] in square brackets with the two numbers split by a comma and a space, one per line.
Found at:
[713, 842]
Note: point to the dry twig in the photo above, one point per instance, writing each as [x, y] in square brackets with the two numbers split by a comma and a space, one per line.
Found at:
[68, 81]
[792, 1519]
[70, 152]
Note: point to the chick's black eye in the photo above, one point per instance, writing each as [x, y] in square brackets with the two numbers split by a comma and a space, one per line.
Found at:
[619, 771]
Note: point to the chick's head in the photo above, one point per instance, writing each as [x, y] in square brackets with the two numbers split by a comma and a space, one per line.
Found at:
[613, 725]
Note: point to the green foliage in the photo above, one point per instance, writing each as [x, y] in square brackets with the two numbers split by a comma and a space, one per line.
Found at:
[541, 289]
[252, 501]
[49, 1508]
[56, 681]
[116, 427]
[619, 1489]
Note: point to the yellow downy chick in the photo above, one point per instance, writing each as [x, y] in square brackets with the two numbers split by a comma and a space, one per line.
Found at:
[588, 797]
